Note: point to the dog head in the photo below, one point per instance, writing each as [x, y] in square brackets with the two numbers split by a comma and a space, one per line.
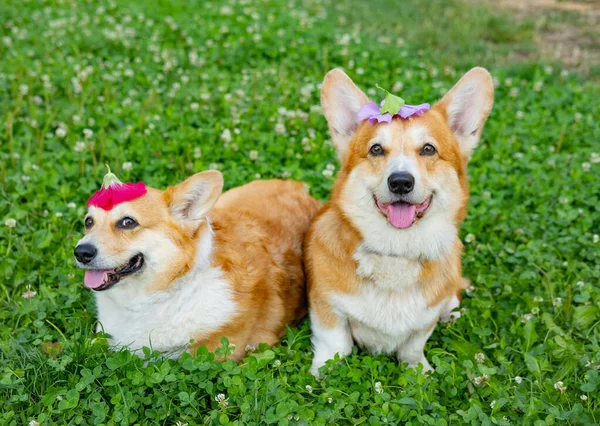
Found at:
[398, 176]
[150, 241]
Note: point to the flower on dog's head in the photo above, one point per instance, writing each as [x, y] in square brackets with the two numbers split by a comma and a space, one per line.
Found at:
[114, 192]
[392, 106]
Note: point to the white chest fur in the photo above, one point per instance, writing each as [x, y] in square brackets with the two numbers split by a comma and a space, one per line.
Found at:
[390, 307]
[198, 303]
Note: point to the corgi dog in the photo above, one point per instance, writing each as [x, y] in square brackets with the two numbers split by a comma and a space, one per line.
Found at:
[181, 268]
[383, 256]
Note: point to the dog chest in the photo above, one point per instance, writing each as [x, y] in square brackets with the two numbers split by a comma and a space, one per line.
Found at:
[389, 306]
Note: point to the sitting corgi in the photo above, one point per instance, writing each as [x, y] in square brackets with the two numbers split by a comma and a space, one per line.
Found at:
[383, 256]
[189, 264]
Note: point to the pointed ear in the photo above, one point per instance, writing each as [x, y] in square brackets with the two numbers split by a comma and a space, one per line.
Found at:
[466, 107]
[341, 101]
[191, 200]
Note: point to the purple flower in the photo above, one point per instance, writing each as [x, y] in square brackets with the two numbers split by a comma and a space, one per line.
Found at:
[371, 112]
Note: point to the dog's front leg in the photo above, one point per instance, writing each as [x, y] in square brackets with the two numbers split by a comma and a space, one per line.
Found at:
[330, 335]
[412, 350]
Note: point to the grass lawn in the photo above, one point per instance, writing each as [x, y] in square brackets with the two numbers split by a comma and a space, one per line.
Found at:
[163, 89]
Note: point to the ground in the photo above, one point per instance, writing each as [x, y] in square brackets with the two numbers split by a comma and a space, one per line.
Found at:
[163, 89]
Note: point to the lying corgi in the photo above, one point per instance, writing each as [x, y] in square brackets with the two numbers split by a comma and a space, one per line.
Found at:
[383, 256]
[177, 265]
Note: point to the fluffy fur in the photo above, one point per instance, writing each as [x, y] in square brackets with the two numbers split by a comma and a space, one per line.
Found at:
[383, 287]
[231, 267]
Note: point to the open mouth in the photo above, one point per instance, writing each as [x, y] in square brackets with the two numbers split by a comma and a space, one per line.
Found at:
[103, 279]
[401, 214]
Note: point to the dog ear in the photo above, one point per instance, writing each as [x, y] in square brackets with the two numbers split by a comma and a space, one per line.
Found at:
[467, 106]
[341, 100]
[191, 200]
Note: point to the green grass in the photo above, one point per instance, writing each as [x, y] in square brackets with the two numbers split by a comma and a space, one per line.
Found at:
[164, 96]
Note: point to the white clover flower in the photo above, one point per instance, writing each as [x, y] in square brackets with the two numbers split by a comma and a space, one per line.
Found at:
[398, 86]
[594, 158]
[481, 379]
[10, 223]
[197, 152]
[492, 404]
[221, 400]
[378, 387]
[520, 115]
[25, 178]
[277, 363]
[88, 133]
[33, 423]
[285, 174]
[79, 146]
[309, 388]
[579, 283]
[194, 106]
[330, 399]
[548, 69]
[526, 317]
[595, 238]
[577, 117]
[514, 92]
[127, 166]
[557, 302]
[583, 397]
[29, 294]
[58, 214]
[38, 100]
[226, 135]
[470, 238]
[518, 380]
[480, 358]
[535, 311]
[538, 299]
[280, 128]
[538, 86]
[128, 72]
[61, 132]
[72, 205]
[23, 89]
[327, 173]
[250, 348]
[253, 155]
[560, 386]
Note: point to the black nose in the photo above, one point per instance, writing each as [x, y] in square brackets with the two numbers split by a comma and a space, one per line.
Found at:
[85, 253]
[401, 183]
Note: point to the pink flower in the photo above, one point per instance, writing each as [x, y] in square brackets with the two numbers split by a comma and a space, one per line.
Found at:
[114, 192]
[372, 113]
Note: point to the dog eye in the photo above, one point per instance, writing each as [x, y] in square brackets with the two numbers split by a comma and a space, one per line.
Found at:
[428, 149]
[127, 223]
[376, 150]
[88, 223]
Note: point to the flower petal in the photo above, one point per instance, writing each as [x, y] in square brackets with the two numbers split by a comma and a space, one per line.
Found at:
[368, 111]
[410, 110]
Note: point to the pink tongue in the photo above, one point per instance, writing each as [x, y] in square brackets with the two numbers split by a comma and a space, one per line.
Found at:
[94, 278]
[401, 215]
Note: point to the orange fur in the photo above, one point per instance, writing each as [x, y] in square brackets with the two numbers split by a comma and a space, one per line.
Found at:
[257, 235]
[259, 230]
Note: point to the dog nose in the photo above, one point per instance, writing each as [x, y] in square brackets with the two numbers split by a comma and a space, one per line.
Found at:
[85, 253]
[401, 183]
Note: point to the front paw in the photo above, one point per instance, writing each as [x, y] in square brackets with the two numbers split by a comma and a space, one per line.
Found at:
[427, 368]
